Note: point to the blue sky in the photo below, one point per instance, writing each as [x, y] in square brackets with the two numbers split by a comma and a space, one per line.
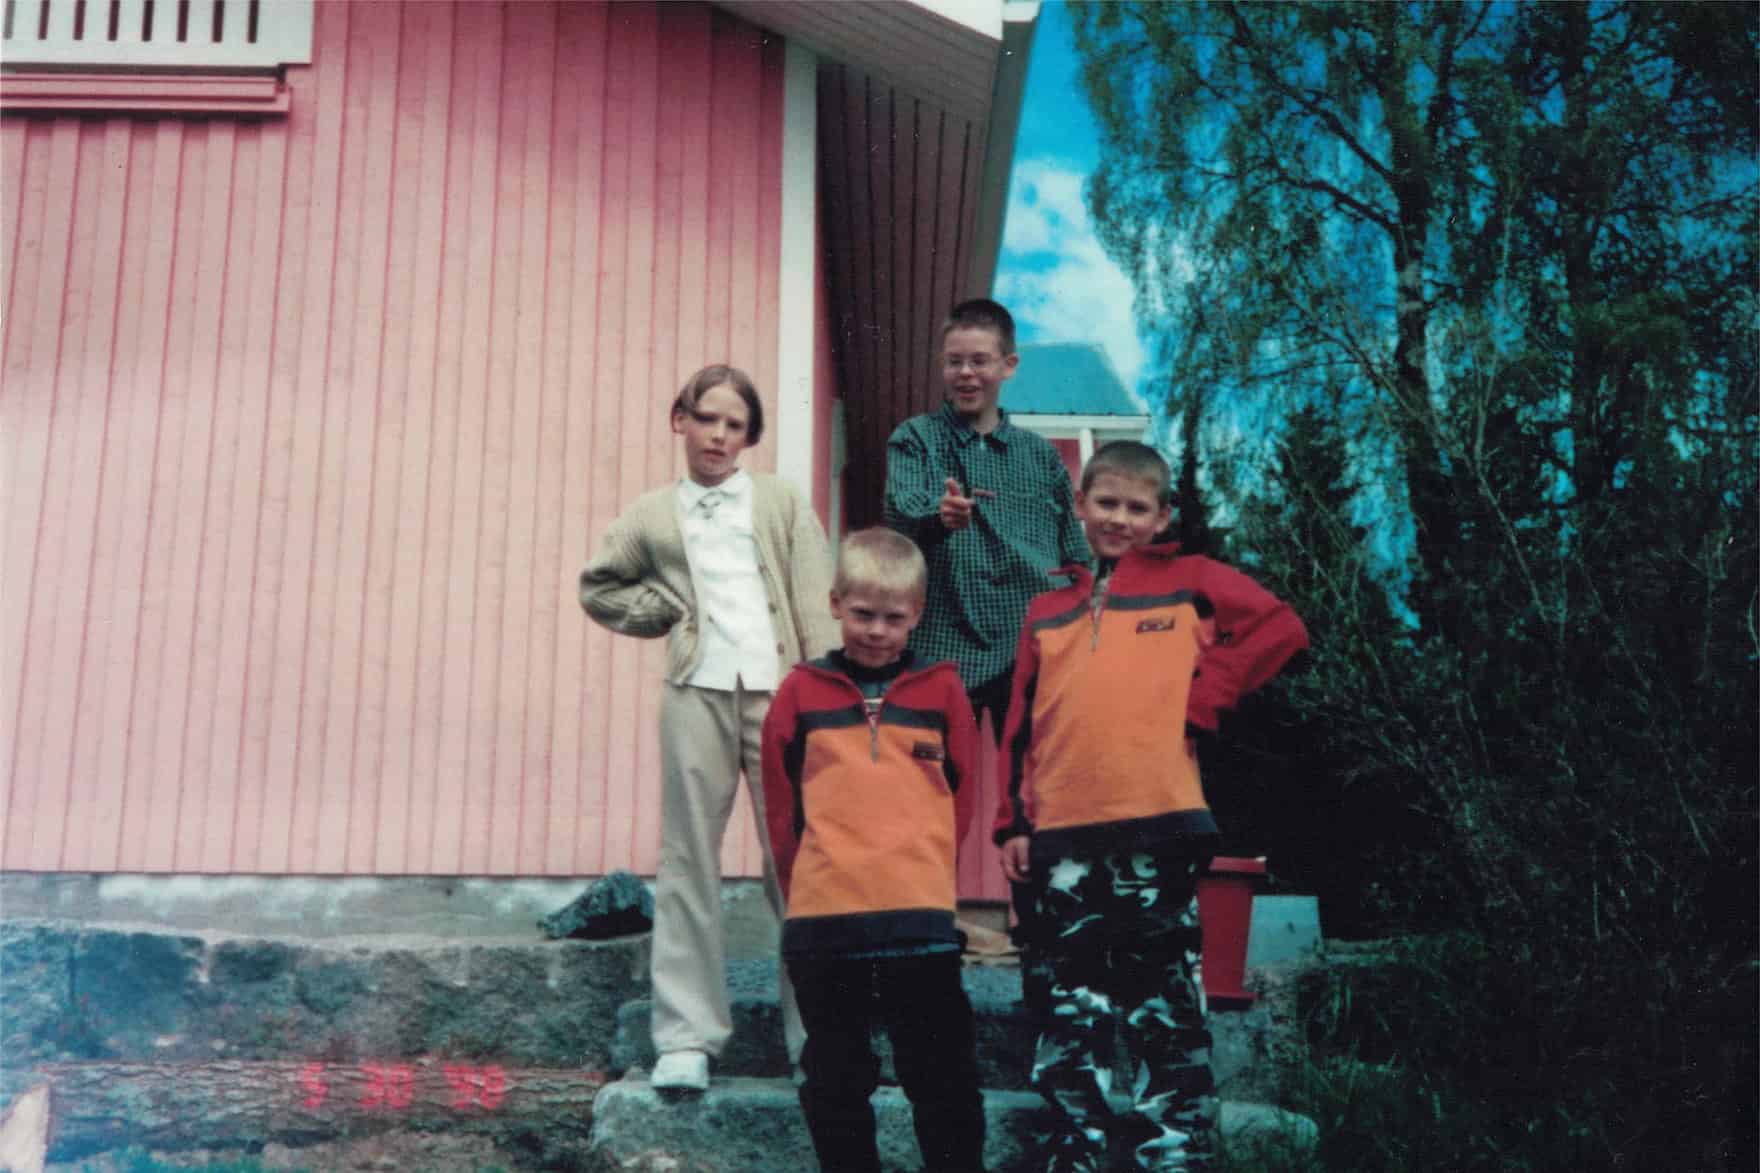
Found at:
[1053, 274]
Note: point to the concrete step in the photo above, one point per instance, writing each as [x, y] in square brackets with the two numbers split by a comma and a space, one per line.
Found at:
[746, 1125]
[1240, 1038]
[382, 1020]
[78, 991]
[342, 1118]
[1005, 1037]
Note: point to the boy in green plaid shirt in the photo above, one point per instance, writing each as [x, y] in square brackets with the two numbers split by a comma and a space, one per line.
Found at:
[990, 505]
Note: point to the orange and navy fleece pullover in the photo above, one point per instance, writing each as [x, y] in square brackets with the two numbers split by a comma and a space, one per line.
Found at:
[866, 805]
[1095, 747]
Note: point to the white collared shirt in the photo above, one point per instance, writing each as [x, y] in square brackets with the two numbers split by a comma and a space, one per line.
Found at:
[736, 637]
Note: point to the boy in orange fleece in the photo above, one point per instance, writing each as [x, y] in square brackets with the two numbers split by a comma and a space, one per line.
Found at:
[869, 759]
[1112, 674]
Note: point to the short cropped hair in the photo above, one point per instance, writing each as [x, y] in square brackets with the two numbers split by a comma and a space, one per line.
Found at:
[883, 560]
[1128, 458]
[713, 376]
[980, 313]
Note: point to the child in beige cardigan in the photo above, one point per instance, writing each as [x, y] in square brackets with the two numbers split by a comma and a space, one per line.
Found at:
[733, 568]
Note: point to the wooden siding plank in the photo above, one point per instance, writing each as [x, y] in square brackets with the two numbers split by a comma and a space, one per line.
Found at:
[740, 66]
[549, 598]
[772, 54]
[13, 135]
[648, 457]
[375, 437]
[332, 659]
[303, 696]
[192, 642]
[442, 788]
[279, 625]
[87, 838]
[131, 462]
[240, 736]
[690, 54]
[27, 391]
[836, 247]
[152, 540]
[907, 314]
[860, 395]
[925, 325]
[828, 496]
[424, 98]
[717, 283]
[172, 535]
[528, 616]
[464, 800]
[217, 685]
[575, 829]
[488, 793]
[948, 275]
[45, 723]
[620, 393]
[350, 422]
[972, 173]
[882, 144]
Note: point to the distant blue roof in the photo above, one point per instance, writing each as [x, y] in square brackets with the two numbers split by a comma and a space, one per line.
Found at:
[1067, 378]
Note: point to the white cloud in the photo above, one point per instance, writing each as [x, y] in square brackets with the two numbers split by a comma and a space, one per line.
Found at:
[1054, 276]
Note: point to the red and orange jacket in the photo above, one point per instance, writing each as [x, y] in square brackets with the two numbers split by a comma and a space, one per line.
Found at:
[1095, 746]
[865, 814]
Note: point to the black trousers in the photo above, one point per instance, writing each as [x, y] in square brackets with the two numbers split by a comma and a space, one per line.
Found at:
[924, 1010]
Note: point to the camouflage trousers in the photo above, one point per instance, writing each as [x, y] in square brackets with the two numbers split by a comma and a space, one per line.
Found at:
[1117, 947]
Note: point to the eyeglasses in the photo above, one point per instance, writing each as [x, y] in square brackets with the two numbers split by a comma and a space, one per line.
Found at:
[979, 363]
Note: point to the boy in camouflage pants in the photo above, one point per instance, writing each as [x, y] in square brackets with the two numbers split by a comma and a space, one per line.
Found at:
[1112, 830]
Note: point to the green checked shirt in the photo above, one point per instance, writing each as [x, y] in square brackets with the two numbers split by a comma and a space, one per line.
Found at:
[981, 578]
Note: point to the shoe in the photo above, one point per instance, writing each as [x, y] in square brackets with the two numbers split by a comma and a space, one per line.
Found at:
[681, 1071]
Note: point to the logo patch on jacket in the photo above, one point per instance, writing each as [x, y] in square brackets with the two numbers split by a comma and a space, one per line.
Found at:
[928, 751]
[1147, 625]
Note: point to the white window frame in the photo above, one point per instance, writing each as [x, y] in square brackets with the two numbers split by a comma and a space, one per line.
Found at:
[52, 58]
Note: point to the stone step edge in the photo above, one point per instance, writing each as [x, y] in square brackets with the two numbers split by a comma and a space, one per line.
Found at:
[97, 1106]
[754, 1125]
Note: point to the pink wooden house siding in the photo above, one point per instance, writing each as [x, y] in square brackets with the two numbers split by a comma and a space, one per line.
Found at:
[309, 422]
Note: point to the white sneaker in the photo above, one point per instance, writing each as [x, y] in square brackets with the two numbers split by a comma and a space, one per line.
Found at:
[681, 1071]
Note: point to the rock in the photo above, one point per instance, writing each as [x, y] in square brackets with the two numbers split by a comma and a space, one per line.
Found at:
[24, 1132]
[73, 992]
[616, 905]
[755, 1126]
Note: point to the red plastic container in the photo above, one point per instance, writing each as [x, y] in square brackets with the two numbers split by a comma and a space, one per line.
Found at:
[1225, 912]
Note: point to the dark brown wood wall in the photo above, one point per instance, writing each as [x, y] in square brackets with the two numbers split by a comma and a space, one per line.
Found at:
[898, 200]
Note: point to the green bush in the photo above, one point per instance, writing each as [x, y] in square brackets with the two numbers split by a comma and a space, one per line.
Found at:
[1555, 796]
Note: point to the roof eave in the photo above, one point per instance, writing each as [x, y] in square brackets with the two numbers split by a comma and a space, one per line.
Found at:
[967, 57]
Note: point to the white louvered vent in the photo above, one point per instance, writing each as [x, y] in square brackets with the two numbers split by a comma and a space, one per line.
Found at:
[157, 34]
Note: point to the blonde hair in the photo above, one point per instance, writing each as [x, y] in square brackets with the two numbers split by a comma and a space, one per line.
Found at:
[1137, 462]
[883, 560]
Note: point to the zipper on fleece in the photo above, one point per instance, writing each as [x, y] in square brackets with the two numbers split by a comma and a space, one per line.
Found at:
[871, 712]
[1099, 594]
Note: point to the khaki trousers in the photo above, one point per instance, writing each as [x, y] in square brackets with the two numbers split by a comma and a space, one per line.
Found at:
[707, 739]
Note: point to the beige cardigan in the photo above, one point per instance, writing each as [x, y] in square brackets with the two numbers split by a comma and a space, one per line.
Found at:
[639, 581]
